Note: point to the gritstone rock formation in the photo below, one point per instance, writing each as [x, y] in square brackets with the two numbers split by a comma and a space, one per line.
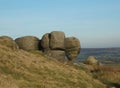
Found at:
[72, 45]
[53, 44]
[28, 43]
[9, 42]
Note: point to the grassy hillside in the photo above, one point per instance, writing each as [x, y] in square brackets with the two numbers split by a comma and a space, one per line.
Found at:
[21, 69]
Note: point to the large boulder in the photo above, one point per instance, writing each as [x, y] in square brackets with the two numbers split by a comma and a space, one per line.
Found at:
[45, 42]
[57, 40]
[28, 43]
[9, 42]
[72, 46]
[91, 60]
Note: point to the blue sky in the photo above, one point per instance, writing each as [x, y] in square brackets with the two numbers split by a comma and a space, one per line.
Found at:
[95, 22]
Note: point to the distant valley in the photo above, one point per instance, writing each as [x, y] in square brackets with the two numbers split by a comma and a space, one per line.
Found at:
[104, 55]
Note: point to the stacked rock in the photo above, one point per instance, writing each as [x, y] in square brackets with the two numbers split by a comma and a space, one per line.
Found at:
[56, 45]
[53, 44]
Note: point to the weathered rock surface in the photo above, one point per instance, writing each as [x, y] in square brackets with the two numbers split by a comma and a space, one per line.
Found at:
[91, 61]
[9, 42]
[72, 45]
[28, 43]
[45, 42]
[53, 44]
[57, 40]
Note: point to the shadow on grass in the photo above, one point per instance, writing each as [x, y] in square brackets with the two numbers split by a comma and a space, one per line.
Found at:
[116, 85]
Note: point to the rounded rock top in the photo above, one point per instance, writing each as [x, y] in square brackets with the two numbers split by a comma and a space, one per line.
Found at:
[91, 60]
[28, 43]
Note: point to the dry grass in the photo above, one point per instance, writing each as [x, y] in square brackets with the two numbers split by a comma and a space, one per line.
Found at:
[109, 75]
[7, 82]
[21, 69]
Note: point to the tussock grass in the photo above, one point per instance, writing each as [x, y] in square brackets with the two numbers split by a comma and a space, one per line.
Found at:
[35, 70]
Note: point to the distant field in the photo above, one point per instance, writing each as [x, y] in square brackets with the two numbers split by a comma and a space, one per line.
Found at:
[105, 55]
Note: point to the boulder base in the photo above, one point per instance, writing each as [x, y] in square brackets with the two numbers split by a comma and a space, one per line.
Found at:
[57, 54]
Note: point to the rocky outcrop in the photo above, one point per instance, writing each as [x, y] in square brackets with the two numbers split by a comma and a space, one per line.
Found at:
[53, 44]
[72, 45]
[9, 42]
[28, 43]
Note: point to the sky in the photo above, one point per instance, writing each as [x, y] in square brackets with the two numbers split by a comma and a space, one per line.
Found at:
[96, 23]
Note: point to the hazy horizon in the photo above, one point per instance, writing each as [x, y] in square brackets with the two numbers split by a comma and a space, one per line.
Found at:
[95, 22]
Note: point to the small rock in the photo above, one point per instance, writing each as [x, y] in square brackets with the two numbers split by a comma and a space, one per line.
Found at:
[91, 60]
